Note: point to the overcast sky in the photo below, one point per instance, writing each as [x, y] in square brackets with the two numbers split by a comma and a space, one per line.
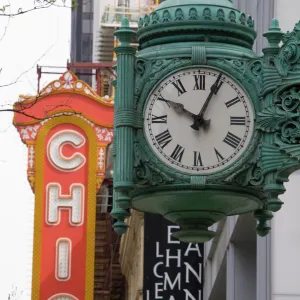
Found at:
[42, 36]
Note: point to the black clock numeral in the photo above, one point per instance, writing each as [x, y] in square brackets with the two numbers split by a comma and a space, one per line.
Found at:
[232, 140]
[199, 82]
[197, 159]
[237, 120]
[164, 138]
[232, 102]
[179, 86]
[161, 98]
[161, 119]
[177, 153]
[219, 156]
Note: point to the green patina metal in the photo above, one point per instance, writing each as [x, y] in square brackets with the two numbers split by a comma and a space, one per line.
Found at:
[211, 33]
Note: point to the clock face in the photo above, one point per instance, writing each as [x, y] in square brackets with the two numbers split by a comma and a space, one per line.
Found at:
[198, 121]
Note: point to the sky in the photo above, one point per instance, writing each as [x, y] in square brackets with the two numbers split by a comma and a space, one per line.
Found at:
[39, 37]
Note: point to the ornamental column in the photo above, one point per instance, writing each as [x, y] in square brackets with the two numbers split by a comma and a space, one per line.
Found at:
[124, 115]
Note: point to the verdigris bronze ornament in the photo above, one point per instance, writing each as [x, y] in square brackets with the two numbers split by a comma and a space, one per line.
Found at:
[204, 128]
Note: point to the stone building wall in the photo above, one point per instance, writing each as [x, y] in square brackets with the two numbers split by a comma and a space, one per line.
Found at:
[131, 256]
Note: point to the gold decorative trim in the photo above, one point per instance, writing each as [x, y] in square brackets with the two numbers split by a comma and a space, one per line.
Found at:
[68, 83]
[91, 214]
[58, 113]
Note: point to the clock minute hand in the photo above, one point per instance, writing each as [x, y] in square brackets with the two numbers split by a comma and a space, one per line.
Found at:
[198, 119]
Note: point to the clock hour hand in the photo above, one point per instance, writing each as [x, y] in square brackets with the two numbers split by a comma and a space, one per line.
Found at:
[198, 119]
[180, 108]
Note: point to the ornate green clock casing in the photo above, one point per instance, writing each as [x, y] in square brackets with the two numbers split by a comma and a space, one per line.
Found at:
[204, 128]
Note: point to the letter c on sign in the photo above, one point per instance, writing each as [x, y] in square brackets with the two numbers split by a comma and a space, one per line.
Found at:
[55, 155]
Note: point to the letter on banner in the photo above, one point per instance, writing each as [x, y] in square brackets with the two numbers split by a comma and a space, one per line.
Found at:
[63, 259]
[63, 297]
[56, 156]
[74, 202]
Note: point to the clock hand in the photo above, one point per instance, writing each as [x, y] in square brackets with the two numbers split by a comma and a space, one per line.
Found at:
[180, 108]
[198, 119]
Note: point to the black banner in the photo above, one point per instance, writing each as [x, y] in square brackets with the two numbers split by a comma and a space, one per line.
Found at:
[172, 270]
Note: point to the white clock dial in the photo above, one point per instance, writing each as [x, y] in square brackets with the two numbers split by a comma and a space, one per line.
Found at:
[198, 121]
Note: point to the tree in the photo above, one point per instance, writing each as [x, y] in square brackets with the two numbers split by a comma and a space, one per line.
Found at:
[37, 4]
[15, 294]
[8, 11]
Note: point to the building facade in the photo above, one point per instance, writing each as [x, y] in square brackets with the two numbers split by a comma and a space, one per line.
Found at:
[82, 34]
[93, 24]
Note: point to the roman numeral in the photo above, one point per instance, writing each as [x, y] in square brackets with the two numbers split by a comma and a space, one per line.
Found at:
[232, 102]
[199, 82]
[219, 156]
[163, 139]
[161, 98]
[161, 119]
[177, 153]
[197, 159]
[232, 140]
[179, 86]
[237, 120]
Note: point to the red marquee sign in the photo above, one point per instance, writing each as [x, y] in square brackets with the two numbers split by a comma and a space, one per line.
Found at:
[67, 129]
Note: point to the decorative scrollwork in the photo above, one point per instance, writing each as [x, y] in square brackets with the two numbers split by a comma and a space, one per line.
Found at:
[290, 52]
[146, 20]
[166, 16]
[238, 65]
[195, 12]
[146, 173]
[221, 15]
[149, 72]
[232, 16]
[257, 177]
[250, 174]
[290, 132]
[255, 71]
[270, 118]
[243, 19]
[140, 67]
[291, 99]
[155, 18]
[250, 22]
[179, 14]
[193, 15]
[292, 151]
[207, 14]
[256, 67]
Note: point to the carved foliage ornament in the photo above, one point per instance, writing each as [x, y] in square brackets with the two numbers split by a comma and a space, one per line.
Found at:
[288, 57]
[194, 14]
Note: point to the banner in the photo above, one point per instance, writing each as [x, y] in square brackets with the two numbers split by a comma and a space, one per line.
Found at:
[172, 270]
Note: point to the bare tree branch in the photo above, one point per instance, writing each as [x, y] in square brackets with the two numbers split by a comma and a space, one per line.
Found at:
[21, 112]
[15, 294]
[41, 4]
[26, 71]
[5, 28]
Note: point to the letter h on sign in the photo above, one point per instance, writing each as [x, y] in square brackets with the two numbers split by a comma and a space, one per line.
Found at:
[73, 202]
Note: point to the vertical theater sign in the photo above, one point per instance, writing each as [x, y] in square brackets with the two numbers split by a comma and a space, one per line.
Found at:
[66, 166]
